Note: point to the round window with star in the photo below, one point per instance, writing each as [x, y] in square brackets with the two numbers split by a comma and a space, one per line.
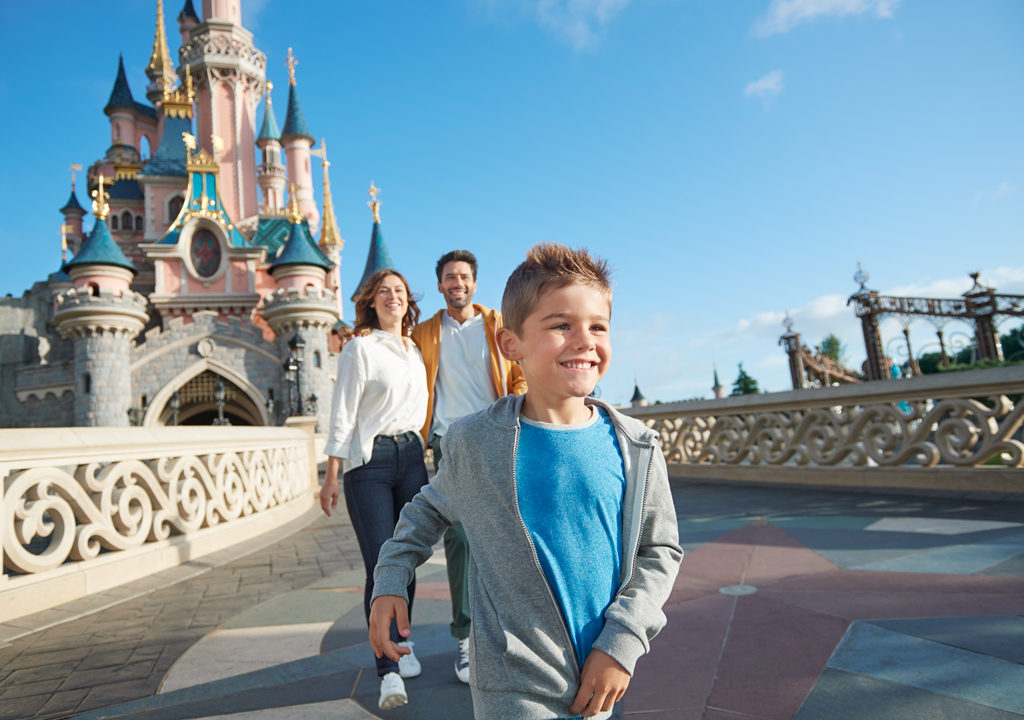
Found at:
[205, 252]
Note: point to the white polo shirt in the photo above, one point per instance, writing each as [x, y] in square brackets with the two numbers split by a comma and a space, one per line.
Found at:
[463, 384]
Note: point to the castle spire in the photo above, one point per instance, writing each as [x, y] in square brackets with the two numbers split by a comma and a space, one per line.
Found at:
[160, 69]
[378, 258]
[294, 121]
[121, 94]
[330, 236]
[269, 130]
[297, 141]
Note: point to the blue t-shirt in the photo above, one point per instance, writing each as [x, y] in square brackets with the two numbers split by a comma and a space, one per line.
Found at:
[569, 483]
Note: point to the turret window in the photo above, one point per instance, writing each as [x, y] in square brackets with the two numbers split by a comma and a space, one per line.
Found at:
[113, 222]
[174, 207]
[126, 221]
[86, 383]
[138, 223]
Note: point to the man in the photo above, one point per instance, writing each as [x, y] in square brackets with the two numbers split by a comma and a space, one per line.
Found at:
[465, 374]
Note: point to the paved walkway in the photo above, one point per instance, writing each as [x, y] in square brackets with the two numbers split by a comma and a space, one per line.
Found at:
[791, 604]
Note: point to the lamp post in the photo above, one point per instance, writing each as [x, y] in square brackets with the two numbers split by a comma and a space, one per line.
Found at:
[175, 407]
[291, 371]
[219, 395]
[297, 345]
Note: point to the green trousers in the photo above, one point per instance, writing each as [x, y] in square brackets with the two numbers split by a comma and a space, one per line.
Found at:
[456, 550]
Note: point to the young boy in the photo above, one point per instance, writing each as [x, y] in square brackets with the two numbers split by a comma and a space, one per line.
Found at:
[565, 503]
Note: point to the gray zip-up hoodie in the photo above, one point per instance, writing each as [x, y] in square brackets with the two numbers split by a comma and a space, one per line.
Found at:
[523, 663]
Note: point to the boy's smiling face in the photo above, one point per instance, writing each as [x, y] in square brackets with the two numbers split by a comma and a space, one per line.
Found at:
[564, 348]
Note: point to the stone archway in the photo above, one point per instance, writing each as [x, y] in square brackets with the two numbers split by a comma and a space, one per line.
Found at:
[243, 402]
[199, 406]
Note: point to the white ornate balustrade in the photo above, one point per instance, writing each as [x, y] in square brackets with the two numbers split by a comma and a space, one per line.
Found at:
[85, 509]
[956, 431]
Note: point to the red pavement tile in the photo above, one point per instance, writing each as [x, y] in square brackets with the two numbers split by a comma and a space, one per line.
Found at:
[773, 657]
[777, 556]
[679, 672]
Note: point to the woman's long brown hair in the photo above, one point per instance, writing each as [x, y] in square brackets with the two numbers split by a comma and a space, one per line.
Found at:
[366, 315]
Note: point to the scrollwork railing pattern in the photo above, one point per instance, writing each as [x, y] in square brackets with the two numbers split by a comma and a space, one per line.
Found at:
[875, 426]
[53, 514]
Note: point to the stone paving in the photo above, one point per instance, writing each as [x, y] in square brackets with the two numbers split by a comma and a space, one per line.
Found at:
[791, 603]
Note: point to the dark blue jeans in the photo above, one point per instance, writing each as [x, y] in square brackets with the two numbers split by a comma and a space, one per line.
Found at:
[375, 494]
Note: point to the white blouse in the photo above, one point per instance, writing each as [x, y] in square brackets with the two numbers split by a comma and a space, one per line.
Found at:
[381, 389]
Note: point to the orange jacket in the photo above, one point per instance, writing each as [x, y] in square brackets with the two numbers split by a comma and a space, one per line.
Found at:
[507, 377]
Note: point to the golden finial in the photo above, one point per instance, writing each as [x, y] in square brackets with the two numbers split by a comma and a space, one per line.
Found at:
[218, 146]
[189, 87]
[294, 211]
[291, 62]
[99, 204]
[190, 142]
[160, 59]
[64, 230]
[330, 235]
[270, 86]
[75, 167]
[374, 203]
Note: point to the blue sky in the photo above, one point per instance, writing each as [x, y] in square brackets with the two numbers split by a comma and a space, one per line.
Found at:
[732, 160]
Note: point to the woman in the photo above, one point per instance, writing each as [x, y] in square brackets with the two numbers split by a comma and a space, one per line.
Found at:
[380, 402]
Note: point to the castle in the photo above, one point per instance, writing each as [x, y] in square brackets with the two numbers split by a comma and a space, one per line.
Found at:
[188, 302]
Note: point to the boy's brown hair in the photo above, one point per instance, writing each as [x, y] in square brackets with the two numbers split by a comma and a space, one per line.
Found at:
[549, 266]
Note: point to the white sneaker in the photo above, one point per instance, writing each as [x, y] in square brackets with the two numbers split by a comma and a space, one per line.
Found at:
[462, 661]
[392, 692]
[408, 665]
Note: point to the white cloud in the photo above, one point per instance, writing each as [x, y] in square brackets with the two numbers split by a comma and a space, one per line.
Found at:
[1004, 189]
[251, 11]
[578, 21]
[766, 88]
[783, 15]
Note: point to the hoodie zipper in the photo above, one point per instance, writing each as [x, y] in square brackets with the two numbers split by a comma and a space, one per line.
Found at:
[536, 560]
[643, 515]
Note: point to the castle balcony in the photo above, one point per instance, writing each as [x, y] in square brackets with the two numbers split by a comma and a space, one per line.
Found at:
[957, 432]
[292, 308]
[80, 313]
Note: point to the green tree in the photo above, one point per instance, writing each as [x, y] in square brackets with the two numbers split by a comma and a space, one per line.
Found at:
[744, 384]
[831, 347]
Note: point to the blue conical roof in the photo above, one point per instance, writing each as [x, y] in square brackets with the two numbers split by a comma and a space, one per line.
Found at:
[269, 130]
[169, 158]
[121, 95]
[300, 249]
[377, 259]
[637, 395]
[294, 122]
[100, 249]
[188, 12]
[72, 203]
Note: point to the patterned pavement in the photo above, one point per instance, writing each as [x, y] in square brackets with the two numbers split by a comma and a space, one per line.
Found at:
[791, 603]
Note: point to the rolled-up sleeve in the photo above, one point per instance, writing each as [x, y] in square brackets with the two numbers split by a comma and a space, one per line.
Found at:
[348, 391]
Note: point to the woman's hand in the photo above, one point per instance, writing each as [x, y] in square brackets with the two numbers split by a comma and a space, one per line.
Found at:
[329, 490]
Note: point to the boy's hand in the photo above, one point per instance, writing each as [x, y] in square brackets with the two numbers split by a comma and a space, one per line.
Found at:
[603, 682]
[385, 609]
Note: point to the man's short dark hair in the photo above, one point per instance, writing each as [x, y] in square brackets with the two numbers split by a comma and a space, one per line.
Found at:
[456, 256]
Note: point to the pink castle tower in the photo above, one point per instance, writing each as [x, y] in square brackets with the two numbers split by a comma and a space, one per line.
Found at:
[230, 77]
[298, 141]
